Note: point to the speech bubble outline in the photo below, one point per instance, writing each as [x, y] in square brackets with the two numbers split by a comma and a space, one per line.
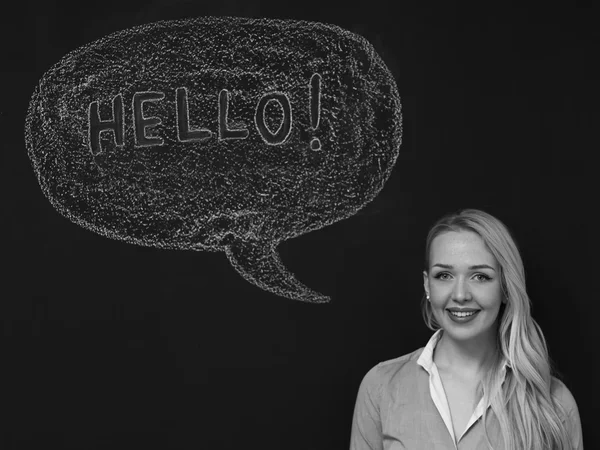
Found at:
[161, 192]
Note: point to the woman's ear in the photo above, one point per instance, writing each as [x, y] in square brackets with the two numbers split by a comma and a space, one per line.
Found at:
[426, 282]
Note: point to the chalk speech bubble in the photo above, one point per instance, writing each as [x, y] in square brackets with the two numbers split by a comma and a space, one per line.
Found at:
[217, 133]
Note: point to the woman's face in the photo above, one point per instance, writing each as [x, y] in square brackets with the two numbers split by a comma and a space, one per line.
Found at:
[463, 274]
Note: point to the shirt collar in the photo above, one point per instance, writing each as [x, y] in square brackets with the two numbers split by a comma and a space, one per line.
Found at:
[426, 358]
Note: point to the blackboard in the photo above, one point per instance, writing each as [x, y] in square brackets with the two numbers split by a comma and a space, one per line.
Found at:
[107, 344]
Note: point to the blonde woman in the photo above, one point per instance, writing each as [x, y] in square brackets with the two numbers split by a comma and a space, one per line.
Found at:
[484, 380]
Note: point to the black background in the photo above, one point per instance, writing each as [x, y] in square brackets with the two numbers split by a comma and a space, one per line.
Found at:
[107, 345]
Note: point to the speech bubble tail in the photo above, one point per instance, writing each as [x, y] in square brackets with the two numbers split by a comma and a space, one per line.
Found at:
[260, 264]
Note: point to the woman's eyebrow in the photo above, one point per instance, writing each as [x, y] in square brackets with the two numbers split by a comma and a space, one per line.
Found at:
[475, 267]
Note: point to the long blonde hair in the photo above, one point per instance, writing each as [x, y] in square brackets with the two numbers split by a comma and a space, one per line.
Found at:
[524, 406]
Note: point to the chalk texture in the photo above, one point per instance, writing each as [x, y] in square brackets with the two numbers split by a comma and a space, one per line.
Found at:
[178, 171]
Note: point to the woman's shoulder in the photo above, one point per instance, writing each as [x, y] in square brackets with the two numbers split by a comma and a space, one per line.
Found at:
[563, 395]
[569, 413]
[393, 370]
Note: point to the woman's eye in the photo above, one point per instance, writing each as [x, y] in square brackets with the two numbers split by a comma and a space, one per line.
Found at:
[482, 277]
[442, 276]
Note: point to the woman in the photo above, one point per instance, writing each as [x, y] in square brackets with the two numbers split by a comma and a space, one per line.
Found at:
[487, 352]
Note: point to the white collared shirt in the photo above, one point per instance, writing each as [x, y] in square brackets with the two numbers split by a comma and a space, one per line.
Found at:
[436, 387]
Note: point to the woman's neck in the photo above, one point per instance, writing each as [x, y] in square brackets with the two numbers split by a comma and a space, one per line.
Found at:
[468, 358]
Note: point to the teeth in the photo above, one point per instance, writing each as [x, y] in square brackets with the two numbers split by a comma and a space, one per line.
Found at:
[462, 314]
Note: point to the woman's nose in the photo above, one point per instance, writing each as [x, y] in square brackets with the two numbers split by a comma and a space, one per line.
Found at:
[461, 291]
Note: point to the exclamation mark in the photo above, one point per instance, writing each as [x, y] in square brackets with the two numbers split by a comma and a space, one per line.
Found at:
[315, 108]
